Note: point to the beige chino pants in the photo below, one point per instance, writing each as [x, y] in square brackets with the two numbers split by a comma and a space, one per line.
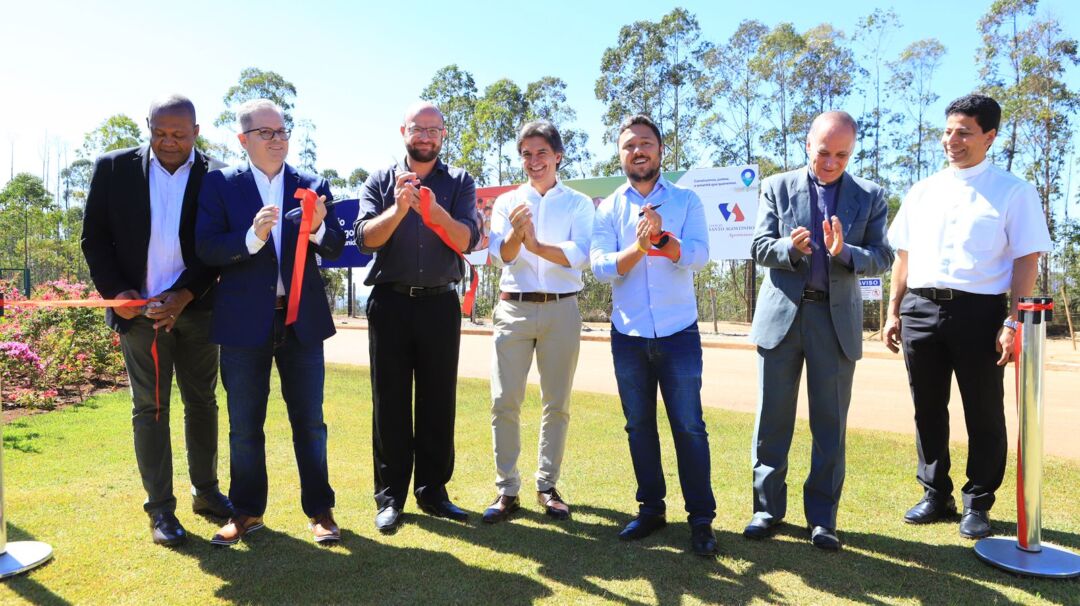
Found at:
[553, 331]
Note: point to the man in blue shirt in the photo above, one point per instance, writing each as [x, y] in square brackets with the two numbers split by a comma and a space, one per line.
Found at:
[649, 237]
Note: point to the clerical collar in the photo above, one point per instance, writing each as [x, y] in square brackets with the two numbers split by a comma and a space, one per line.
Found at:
[972, 171]
[815, 181]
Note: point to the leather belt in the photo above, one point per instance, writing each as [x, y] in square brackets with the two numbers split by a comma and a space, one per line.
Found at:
[814, 295]
[535, 297]
[279, 303]
[421, 291]
[945, 294]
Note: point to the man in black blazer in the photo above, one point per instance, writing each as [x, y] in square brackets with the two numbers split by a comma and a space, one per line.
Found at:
[139, 242]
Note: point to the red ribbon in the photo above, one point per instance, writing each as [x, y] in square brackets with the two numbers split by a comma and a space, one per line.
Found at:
[308, 199]
[425, 215]
[659, 252]
[58, 303]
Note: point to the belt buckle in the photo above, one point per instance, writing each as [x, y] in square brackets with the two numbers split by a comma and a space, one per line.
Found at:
[414, 289]
[943, 294]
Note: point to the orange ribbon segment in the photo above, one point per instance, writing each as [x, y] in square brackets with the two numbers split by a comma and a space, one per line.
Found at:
[308, 199]
[425, 215]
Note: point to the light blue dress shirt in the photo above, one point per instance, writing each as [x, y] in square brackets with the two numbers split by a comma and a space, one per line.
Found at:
[656, 297]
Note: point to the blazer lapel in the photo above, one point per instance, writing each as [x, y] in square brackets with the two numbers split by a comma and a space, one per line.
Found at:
[800, 201]
[848, 204]
[191, 191]
[141, 197]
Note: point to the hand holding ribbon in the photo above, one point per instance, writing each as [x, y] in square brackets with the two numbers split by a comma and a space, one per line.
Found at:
[425, 215]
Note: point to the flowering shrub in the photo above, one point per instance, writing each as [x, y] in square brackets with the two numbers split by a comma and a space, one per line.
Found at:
[47, 352]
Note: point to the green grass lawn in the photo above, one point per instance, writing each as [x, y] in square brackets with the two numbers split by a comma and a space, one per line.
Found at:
[71, 481]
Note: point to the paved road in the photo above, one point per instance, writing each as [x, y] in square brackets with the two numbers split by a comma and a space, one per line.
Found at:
[881, 398]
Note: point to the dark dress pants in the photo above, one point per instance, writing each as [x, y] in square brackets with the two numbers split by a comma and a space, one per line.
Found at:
[187, 351]
[413, 339]
[245, 373]
[958, 336]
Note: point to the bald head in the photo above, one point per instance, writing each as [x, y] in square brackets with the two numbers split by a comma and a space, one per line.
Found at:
[421, 107]
[833, 120]
[830, 143]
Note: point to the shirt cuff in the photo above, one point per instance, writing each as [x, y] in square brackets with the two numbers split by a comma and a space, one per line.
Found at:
[254, 244]
[317, 237]
[574, 256]
[845, 256]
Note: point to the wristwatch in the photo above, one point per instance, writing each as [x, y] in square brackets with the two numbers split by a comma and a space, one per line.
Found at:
[1010, 323]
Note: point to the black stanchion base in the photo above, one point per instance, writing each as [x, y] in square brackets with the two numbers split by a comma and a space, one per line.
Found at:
[1052, 562]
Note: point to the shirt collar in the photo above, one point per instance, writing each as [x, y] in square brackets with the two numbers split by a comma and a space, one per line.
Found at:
[662, 185]
[154, 160]
[972, 171]
[530, 190]
[814, 179]
[259, 174]
[403, 164]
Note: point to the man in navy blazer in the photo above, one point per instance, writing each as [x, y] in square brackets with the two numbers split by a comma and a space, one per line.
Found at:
[818, 229]
[241, 229]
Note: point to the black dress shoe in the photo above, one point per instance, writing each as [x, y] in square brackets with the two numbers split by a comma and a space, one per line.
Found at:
[825, 538]
[642, 526]
[930, 509]
[445, 509]
[166, 530]
[761, 528]
[212, 503]
[975, 524]
[501, 509]
[388, 519]
[703, 540]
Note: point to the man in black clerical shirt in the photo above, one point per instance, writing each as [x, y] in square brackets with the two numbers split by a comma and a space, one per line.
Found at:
[414, 317]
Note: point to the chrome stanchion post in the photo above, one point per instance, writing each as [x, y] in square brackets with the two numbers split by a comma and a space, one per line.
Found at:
[19, 556]
[1027, 554]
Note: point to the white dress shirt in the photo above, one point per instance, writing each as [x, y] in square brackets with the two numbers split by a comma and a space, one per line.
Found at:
[164, 259]
[656, 297]
[272, 192]
[562, 217]
[963, 228]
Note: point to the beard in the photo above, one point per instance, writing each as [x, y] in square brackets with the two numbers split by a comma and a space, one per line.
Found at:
[423, 156]
[644, 177]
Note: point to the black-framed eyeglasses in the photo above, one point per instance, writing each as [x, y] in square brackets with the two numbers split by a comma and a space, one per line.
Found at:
[268, 134]
[432, 133]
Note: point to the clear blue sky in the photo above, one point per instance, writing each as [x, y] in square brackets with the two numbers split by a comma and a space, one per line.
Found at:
[66, 66]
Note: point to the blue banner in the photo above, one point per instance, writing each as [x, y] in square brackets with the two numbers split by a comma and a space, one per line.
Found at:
[346, 211]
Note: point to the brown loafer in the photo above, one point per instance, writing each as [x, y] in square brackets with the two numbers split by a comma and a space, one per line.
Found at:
[553, 504]
[501, 508]
[324, 528]
[238, 527]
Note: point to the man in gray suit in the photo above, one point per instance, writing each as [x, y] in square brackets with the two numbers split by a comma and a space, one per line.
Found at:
[818, 229]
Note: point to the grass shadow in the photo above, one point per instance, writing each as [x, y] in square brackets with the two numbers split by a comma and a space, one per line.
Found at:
[18, 436]
[26, 586]
[271, 567]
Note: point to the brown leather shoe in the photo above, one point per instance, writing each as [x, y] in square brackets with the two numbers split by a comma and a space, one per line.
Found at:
[501, 508]
[238, 527]
[553, 504]
[324, 528]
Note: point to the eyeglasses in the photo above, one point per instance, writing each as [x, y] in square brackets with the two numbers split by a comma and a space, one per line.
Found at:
[431, 133]
[267, 134]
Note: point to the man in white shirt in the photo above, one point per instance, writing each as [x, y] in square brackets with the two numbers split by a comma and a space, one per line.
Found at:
[649, 237]
[540, 237]
[967, 243]
[139, 241]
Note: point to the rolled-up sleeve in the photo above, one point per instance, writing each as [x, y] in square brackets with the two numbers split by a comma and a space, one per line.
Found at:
[463, 209]
[370, 206]
[604, 248]
[576, 248]
[694, 238]
[500, 230]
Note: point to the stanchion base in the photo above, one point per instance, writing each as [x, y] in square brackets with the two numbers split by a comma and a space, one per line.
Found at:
[1052, 562]
[22, 556]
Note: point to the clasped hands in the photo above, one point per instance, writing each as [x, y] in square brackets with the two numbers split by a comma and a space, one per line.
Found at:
[269, 215]
[801, 238]
[407, 196]
[523, 230]
[163, 308]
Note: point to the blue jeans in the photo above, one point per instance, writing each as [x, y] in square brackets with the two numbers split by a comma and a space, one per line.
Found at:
[245, 373]
[675, 363]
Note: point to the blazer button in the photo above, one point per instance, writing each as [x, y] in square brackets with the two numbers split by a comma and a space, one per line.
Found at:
[271, 289]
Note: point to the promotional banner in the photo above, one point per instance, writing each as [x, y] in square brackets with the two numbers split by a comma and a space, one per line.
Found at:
[729, 195]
